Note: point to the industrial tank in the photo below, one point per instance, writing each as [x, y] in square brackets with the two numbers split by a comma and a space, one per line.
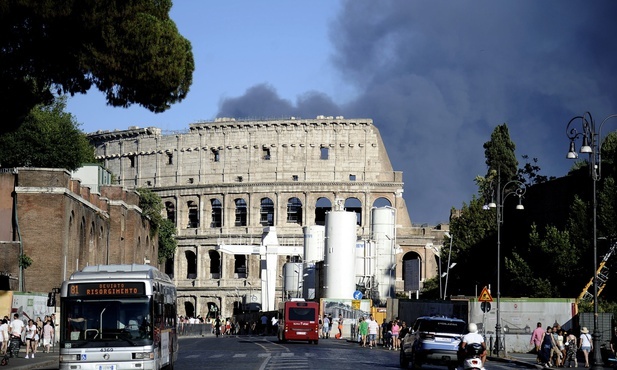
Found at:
[292, 279]
[383, 233]
[340, 255]
[314, 243]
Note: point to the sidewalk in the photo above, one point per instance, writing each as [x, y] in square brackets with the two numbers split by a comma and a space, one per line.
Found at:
[528, 360]
[40, 361]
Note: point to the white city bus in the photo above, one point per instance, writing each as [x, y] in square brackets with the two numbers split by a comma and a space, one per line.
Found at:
[116, 317]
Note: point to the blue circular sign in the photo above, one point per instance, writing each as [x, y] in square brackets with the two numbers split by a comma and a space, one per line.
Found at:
[357, 294]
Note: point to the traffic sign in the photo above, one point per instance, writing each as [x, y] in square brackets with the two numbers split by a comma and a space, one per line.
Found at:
[485, 306]
[357, 294]
[485, 296]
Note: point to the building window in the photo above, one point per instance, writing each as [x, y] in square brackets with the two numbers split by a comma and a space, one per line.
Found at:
[239, 178]
[171, 211]
[215, 264]
[240, 271]
[170, 158]
[191, 180]
[132, 160]
[191, 265]
[294, 177]
[266, 152]
[193, 215]
[240, 212]
[324, 153]
[266, 213]
[294, 211]
[217, 213]
[215, 155]
[352, 177]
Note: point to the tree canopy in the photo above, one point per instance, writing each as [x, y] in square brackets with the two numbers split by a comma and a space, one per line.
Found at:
[130, 50]
[49, 137]
[152, 207]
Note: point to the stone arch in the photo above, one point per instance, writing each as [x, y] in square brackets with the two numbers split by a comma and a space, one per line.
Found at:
[217, 213]
[322, 205]
[353, 204]
[193, 214]
[294, 211]
[170, 211]
[382, 202]
[412, 270]
[266, 212]
[241, 212]
[215, 264]
[191, 264]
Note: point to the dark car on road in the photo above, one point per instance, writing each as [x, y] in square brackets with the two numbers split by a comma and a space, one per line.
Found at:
[432, 340]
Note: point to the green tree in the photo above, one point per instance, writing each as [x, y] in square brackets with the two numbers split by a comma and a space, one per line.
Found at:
[130, 50]
[152, 207]
[499, 153]
[49, 137]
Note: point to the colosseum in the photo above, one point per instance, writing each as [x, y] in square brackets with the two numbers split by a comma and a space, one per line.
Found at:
[225, 182]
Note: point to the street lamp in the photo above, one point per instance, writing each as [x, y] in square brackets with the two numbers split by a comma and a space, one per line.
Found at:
[449, 266]
[518, 189]
[592, 145]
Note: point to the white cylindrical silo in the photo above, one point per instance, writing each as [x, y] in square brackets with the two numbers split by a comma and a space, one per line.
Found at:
[314, 243]
[340, 255]
[383, 234]
[292, 275]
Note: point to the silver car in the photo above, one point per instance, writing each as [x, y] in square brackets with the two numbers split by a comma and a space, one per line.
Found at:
[433, 340]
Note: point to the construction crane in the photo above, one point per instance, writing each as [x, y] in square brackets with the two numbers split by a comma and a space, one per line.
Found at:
[602, 274]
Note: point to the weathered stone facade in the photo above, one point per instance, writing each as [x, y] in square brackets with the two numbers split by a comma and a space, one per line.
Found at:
[63, 227]
[228, 179]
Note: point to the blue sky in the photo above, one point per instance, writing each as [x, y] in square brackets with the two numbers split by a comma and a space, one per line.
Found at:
[435, 76]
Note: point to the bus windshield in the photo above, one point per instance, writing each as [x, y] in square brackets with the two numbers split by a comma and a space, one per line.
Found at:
[106, 322]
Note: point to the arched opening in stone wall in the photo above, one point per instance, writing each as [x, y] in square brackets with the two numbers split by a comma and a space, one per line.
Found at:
[412, 271]
[354, 205]
[294, 211]
[217, 213]
[241, 212]
[240, 270]
[322, 206]
[215, 264]
[382, 202]
[83, 251]
[191, 265]
[193, 214]
[213, 310]
[170, 209]
[189, 309]
[266, 212]
[169, 267]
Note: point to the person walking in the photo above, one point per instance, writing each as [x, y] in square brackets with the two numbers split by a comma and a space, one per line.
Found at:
[546, 347]
[363, 330]
[48, 335]
[326, 326]
[4, 336]
[30, 341]
[340, 327]
[570, 343]
[395, 333]
[536, 340]
[373, 329]
[585, 344]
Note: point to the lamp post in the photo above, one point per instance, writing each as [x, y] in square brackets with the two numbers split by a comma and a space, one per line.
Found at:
[449, 266]
[592, 145]
[518, 189]
[437, 253]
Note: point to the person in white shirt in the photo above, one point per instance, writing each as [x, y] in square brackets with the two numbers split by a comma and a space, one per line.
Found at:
[4, 336]
[31, 332]
[473, 337]
[16, 326]
[373, 329]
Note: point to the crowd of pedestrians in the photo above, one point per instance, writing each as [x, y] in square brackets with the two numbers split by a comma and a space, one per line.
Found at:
[34, 334]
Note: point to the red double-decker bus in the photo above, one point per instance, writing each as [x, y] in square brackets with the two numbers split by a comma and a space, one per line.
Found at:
[299, 320]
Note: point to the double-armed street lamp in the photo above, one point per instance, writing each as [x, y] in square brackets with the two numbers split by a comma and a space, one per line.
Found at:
[518, 189]
[592, 145]
[447, 273]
